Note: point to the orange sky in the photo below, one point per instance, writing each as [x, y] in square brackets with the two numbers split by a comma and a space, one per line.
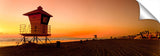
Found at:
[77, 18]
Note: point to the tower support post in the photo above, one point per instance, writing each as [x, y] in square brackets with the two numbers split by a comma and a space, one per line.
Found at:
[24, 39]
[33, 39]
[46, 39]
[36, 39]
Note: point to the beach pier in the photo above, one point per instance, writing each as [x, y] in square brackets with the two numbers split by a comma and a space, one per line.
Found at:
[38, 27]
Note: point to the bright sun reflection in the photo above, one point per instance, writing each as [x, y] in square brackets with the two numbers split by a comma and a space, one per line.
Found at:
[1, 30]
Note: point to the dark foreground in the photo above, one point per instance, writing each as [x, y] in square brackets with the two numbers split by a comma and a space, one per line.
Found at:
[88, 48]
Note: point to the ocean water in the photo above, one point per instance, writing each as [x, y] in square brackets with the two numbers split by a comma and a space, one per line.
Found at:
[15, 40]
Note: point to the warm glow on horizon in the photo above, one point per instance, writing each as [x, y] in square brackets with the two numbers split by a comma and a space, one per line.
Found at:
[1, 30]
[77, 18]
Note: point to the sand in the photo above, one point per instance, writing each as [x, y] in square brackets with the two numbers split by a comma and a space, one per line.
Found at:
[88, 48]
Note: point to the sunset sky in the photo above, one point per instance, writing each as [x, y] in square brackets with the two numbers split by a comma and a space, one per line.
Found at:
[77, 18]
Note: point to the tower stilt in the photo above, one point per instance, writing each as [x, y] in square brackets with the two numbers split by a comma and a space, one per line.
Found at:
[36, 39]
[46, 39]
[24, 39]
[33, 39]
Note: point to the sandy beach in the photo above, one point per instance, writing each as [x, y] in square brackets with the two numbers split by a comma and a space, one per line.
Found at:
[88, 48]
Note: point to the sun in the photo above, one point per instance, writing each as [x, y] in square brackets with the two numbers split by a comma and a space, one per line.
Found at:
[1, 30]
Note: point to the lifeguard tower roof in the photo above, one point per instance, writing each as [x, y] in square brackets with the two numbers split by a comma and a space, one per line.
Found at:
[39, 10]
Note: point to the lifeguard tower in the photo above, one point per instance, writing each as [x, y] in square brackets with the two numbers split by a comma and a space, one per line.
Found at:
[39, 20]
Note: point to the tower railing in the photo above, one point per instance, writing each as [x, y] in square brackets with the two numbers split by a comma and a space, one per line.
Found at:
[27, 29]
